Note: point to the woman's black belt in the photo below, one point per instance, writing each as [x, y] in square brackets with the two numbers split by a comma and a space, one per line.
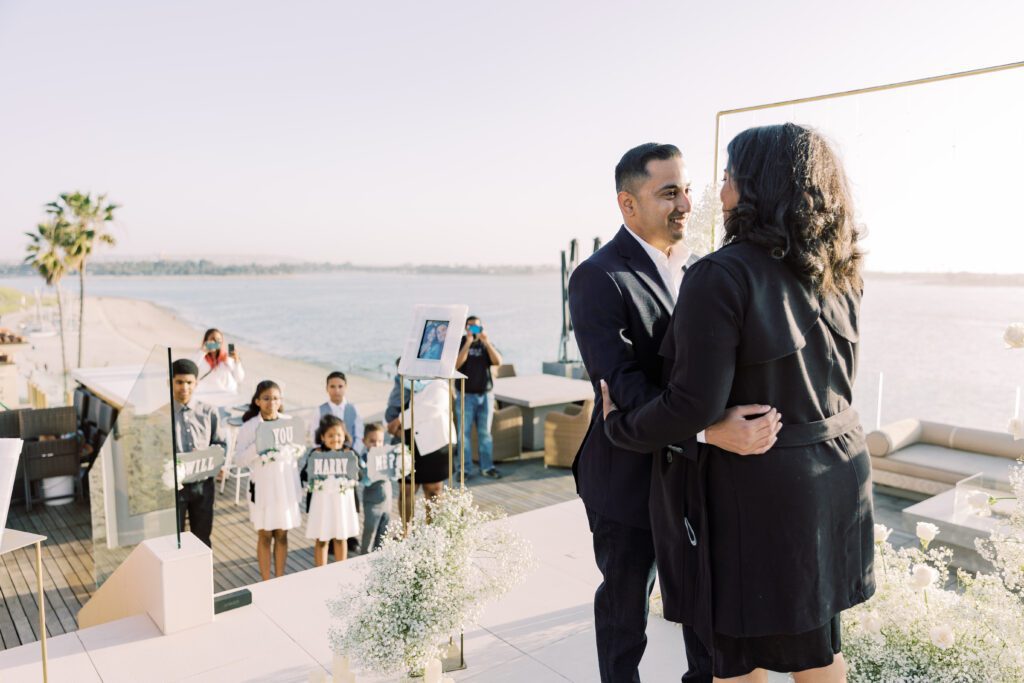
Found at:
[795, 435]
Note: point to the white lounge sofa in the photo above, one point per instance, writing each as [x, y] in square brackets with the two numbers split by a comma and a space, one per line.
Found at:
[930, 457]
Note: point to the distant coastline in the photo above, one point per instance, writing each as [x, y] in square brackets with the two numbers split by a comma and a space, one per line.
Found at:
[207, 268]
[203, 267]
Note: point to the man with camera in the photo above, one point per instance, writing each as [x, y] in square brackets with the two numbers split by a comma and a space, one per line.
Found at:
[476, 356]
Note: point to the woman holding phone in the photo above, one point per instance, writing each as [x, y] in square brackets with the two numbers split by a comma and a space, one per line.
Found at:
[220, 368]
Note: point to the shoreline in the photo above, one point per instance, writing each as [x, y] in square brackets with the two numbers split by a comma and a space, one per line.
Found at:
[124, 331]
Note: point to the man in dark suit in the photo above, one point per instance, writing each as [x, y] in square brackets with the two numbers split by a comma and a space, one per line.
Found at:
[621, 301]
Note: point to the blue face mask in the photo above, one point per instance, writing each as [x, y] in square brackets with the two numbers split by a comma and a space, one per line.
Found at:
[212, 345]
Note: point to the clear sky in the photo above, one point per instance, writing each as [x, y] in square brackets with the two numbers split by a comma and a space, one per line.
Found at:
[477, 132]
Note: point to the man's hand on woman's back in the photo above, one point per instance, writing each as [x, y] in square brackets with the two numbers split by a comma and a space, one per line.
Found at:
[746, 430]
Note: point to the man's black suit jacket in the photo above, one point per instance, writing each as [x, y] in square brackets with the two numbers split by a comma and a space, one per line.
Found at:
[620, 312]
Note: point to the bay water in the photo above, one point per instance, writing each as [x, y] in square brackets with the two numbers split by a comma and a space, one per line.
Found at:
[936, 347]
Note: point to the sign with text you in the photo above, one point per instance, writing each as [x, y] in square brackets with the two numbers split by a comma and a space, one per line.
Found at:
[273, 435]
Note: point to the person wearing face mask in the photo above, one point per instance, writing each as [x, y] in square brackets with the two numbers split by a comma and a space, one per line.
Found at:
[220, 368]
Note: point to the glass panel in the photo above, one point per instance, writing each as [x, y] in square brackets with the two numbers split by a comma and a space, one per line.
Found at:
[940, 284]
[131, 501]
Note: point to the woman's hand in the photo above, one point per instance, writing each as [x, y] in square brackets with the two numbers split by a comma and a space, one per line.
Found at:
[606, 400]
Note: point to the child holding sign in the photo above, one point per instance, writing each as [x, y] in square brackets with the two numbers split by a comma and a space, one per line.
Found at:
[331, 472]
[377, 496]
[269, 444]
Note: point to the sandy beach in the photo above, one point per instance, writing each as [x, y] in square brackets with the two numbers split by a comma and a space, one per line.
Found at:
[125, 332]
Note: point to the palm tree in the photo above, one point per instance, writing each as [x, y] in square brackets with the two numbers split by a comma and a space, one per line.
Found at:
[48, 256]
[86, 217]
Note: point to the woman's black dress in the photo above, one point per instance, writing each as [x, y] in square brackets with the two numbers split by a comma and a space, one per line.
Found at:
[759, 553]
[431, 467]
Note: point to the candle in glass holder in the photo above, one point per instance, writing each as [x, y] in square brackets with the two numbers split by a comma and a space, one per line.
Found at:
[432, 674]
[340, 671]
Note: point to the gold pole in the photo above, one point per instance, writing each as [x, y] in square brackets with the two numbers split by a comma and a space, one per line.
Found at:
[451, 404]
[412, 449]
[402, 494]
[714, 174]
[462, 439]
[42, 604]
[879, 88]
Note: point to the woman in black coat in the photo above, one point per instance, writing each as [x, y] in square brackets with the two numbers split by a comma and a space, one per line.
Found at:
[762, 553]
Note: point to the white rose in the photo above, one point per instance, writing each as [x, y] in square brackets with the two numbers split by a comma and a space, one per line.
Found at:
[977, 501]
[927, 532]
[873, 622]
[942, 636]
[1014, 336]
[923, 576]
[882, 533]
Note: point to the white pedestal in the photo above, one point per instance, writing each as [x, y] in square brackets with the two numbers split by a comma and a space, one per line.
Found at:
[174, 586]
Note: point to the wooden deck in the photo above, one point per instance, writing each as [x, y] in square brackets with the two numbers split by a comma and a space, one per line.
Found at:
[68, 562]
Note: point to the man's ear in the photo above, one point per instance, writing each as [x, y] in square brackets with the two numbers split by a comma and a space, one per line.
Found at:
[627, 203]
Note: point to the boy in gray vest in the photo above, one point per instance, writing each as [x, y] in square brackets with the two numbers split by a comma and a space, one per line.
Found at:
[339, 406]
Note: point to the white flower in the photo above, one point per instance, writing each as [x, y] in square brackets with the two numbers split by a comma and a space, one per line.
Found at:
[1014, 336]
[872, 622]
[423, 588]
[978, 502]
[974, 632]
[927, 532]
[942, 636]
[167, 477]
[882, 533]
[923, 576]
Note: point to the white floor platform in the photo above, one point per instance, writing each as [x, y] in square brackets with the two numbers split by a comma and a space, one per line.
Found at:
[542, 631]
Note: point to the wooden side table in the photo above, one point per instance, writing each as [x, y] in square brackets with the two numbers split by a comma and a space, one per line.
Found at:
[15, 540]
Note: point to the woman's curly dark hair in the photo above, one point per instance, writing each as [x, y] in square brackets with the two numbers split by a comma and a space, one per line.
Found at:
[795, 202]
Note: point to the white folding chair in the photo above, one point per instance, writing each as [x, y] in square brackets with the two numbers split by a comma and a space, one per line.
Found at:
[231, 470]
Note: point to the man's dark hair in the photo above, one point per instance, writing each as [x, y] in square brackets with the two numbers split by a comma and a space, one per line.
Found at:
[472, 317]
[183, 366]
[337, 374]
[632, 167]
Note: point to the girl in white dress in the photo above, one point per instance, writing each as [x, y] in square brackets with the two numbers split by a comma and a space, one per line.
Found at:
[274, 508]
[332, 504]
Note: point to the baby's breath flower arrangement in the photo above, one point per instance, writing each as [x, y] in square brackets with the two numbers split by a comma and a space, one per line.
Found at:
[916, 630]
[289, 451]
[420, 590]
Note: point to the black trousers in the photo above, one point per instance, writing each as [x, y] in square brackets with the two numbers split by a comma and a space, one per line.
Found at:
[625, 557]
[197, 501]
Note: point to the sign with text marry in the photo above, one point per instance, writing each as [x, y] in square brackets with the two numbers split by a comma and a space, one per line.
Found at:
[324, 464]
[196, 466]
[273, 435]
